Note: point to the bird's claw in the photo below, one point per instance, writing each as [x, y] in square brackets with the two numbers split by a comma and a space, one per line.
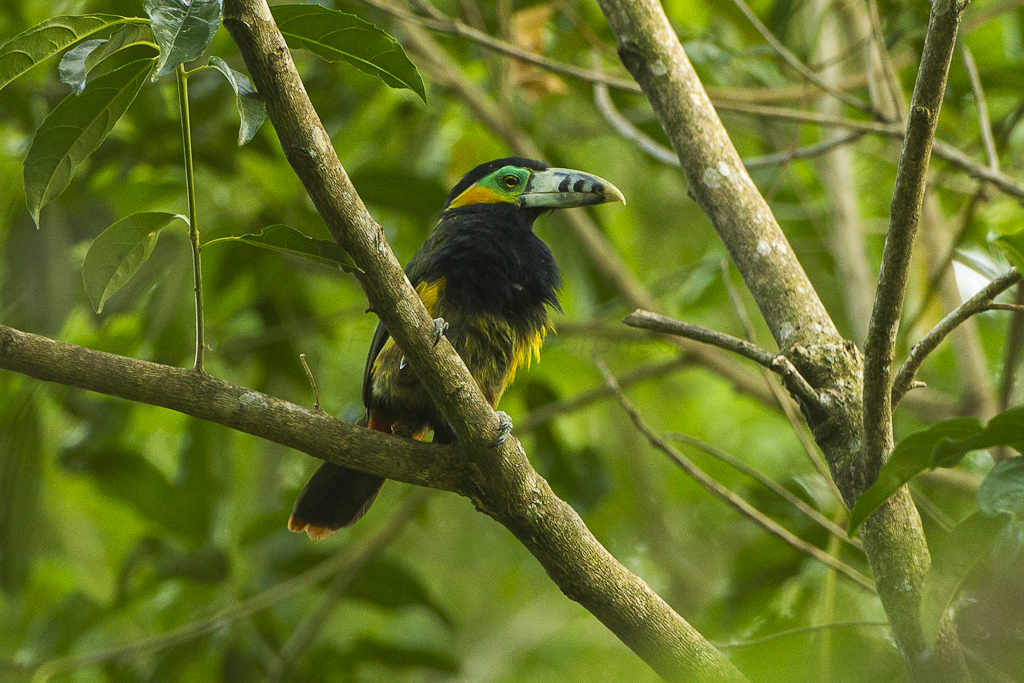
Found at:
[504, 428]
[440, 327]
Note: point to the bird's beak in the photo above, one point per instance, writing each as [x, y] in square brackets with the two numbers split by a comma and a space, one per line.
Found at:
[563, 188]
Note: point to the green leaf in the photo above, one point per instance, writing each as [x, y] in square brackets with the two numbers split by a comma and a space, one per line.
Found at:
[50, 37]
[335, 36]
[1004, 429]
[1013, 246]
[80, 60]
[183, 30]
[251, 109]
[952, 561]
[910, 457]
[1002, 491]
[119, 251]
[75, 128]
[283, 238]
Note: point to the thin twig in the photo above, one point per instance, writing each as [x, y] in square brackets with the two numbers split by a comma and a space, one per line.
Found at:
[940, 148]
[797, 631]
[193, 219]
[627, 130]
[979, 99]
[979, 303]
[795, 63]
[894, 103]
[768, 483]
[662, 323]
[778, 364]
[457, 28]
[802, 152]
[1016, 308]
[665, 155]
[341, 562]
[312, 382]
[727, 496]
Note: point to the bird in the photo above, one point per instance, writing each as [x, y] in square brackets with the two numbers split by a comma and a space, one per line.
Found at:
[489, 283]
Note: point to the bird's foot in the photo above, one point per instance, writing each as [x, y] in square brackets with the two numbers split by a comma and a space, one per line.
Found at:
[504, 428]
[440, 327]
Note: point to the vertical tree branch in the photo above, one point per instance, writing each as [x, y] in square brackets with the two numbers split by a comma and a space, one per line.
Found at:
[908, 197]
[893, 537]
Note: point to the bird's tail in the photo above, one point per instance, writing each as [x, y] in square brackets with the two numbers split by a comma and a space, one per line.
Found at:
[335, 497]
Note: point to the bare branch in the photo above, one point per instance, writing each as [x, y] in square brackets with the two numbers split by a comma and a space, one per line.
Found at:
[313, 432]
[979, 303]
[627, 130]
[656, 322]
[727, 496]
[908, 197]
[778, 364]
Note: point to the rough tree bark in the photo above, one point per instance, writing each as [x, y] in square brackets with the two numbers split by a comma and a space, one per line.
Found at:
[853, 426]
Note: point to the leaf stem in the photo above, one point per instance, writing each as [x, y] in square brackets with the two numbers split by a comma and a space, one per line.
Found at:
[193, 228]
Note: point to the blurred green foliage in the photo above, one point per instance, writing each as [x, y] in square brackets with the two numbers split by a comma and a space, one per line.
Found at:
[121, 522]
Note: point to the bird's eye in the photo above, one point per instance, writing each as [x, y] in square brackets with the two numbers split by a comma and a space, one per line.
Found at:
[510, 181]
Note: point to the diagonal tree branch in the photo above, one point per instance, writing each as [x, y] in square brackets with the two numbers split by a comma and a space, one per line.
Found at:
[895, 542]
[501, 481]
[718, 182]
